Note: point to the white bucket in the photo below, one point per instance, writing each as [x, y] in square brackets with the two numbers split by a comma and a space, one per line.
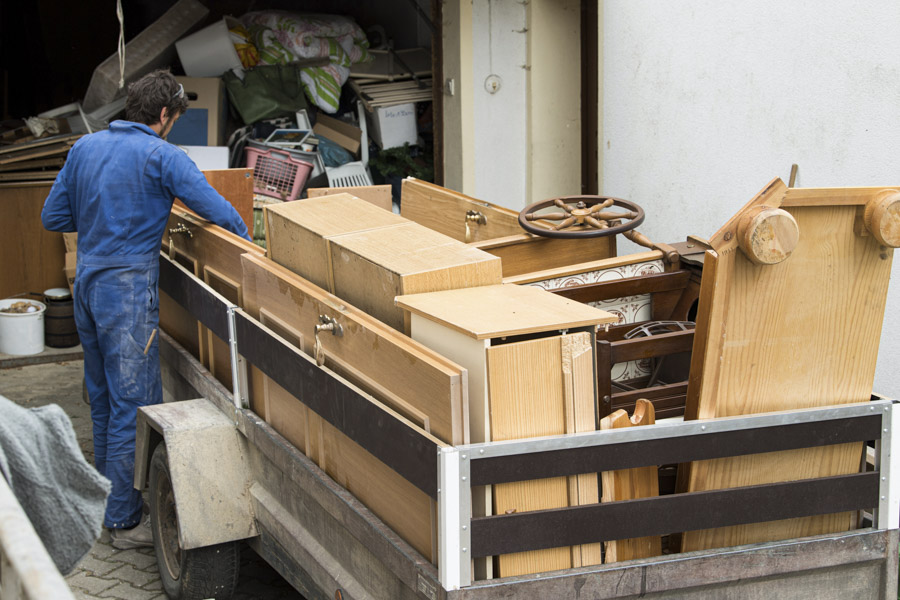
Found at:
[21, 333]
[209, 52]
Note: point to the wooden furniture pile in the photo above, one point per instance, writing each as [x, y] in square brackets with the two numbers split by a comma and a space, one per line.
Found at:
[438, 332]
[35, 160]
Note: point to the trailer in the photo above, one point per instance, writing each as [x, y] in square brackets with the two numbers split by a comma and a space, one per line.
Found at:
[218, 474]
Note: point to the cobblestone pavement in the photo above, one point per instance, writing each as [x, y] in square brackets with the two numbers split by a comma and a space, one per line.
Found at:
[107, 573]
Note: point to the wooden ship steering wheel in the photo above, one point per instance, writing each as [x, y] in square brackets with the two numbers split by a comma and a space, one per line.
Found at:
[582, 217]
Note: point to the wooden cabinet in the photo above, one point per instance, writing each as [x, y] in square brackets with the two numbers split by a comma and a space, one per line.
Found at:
[33, 258]
[368, 256]
[298, 233]
[531, 364]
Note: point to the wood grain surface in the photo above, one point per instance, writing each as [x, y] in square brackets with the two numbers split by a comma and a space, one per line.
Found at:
[802, 333]
[628, 484]
[538, 388]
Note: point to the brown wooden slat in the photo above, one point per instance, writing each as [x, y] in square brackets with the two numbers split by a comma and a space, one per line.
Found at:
[632, 286]
[667, 514]
[707, 445]
[647, 347]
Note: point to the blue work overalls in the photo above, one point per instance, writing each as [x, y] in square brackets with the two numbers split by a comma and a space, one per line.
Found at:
[116, 190]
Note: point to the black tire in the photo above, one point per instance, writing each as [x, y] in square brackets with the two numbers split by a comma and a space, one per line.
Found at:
[210, 572]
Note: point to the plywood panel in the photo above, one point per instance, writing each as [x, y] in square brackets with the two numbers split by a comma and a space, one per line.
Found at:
[628, 484]
[379, 195]
[798, 334]
[417, 382]
[444, 210]
[236, 186]
[33, 258]
[403, 507]
[532, 394]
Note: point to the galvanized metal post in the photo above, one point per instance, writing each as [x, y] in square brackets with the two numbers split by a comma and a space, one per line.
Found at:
[454, 519]
[236, 380]
[888, 512]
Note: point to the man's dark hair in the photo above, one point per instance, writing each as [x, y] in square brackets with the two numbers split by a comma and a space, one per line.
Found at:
[150, 94]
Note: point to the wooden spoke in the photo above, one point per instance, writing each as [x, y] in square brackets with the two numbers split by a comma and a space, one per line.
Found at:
[585, 216]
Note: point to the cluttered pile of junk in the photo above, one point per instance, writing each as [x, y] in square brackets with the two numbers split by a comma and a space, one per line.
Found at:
[305, 101]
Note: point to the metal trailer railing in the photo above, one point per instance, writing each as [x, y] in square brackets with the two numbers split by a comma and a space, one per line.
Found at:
[26, 570]
[448, 473]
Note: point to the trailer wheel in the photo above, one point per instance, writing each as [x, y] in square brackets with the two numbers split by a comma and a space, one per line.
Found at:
[210, 572]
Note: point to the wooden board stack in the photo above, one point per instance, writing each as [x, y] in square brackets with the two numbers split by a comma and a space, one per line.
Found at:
[36, 160]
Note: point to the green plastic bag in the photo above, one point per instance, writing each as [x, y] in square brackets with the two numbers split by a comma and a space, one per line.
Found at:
[267, 91]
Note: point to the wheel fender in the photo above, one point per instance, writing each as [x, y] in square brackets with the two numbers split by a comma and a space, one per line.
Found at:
[207, 466]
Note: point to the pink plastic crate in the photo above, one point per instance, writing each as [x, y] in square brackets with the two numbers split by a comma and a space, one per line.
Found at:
[277, 173]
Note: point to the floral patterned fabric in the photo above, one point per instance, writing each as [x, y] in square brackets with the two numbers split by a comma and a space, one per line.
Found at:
[283, 37]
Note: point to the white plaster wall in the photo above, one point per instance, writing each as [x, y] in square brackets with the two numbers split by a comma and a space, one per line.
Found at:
[706, 101]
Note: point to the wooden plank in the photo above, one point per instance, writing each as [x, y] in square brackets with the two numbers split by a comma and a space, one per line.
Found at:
[33, 258]
[585, 267]
[367, 352]
[34, 164]
[29, 176]
[525, 253]
[658, 345]
[831, 196]
[236, 185]
[402, 506]
[64, 139]
[39, 152]
[444, 210]
[579, 392]
[371, 268]
[485, 312]
[628, 484]
[529, 392]
[297, 233]
[631, 286]
[379, 195]
[777, 337]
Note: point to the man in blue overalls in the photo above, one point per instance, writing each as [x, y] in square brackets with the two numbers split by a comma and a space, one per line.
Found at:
[116, 190]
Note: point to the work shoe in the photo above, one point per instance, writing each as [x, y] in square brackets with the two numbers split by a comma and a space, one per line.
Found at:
[139, 536]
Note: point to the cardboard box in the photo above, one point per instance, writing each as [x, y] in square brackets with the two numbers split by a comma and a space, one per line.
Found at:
[393, 126]
[340, 132]
[298, 232]
[371, 268]
[203, 124]
[71, 241]
[69, 270]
